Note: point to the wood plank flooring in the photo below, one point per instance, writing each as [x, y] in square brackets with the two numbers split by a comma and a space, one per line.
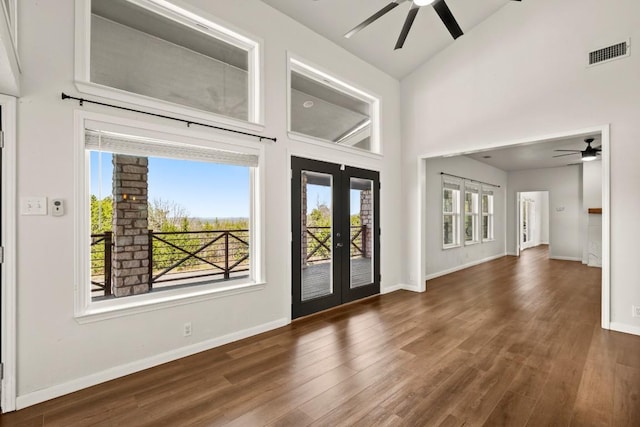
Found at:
[512, 342]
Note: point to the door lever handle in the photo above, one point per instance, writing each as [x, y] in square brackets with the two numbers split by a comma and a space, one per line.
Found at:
[339, 245]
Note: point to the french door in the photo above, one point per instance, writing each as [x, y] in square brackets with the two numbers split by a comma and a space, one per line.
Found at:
[335, 235]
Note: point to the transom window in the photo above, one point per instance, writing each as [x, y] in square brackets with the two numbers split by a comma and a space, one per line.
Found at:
[157, 51]
[324, 108]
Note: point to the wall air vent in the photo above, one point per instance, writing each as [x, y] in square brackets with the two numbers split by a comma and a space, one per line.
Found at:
[609, 53]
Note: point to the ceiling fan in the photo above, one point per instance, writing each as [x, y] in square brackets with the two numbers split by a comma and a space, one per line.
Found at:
[588, 154]
[440, 6]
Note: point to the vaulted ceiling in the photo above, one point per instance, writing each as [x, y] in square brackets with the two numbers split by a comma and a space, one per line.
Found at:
[375, 43]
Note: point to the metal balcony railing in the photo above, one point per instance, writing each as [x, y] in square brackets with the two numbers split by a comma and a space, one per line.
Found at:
[179, 257]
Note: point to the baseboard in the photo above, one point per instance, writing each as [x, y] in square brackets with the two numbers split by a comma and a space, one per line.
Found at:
[566, 258]
[390, 289]
[512, 254]
[627, 329]
[463, 266]
[49, 393]
[400, 287]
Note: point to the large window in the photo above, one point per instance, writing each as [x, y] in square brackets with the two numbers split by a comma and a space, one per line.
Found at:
[487, 215]
[326, 109]
[450, 214]
[471, 208]
[155, 53]
[164, 217]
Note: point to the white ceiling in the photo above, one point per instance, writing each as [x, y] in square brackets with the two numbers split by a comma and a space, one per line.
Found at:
[536, 155]
[428, 36]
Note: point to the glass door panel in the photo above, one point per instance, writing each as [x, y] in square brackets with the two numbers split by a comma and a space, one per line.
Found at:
[317, 231]
[361, 224]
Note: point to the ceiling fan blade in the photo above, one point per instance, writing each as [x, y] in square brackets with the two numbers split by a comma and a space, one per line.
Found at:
[411, 16]
[597, 148]
[573, 151]
[388, 8]
[449, 21]
[568, 154]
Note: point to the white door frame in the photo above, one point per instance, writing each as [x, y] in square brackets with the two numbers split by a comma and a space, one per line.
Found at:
[521, 244]
[8, 309]
[604, 130]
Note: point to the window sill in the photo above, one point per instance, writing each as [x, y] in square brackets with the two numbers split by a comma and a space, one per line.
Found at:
[444, 248]
[471, 243]
[165, 106]
[488, 240]
[329, 144]
[114, 308]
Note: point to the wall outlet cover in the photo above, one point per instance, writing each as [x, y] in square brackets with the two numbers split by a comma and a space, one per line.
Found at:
[33, 205]
[636, 310]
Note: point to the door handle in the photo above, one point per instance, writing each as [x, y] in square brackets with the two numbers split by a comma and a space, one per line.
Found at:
[339, 245]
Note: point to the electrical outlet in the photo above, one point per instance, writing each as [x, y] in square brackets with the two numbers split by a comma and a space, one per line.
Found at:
[636, 311]
[186, 331]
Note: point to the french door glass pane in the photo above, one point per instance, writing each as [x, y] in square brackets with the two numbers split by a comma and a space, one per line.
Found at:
[317, 231]
[361, 235]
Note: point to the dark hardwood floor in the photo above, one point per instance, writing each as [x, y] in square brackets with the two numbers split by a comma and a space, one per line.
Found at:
[511, 342]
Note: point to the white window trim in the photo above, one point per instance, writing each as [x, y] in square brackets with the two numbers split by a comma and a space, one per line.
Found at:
[490, 214]
[317, 73]
[11, 17]
[475, 214]
[8, 224]
[88, 311]
[188, 16]
[457, 215]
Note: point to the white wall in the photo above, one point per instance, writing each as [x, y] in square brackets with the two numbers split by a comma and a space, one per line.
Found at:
[55, 353]
[441, 261]
[506, 80]
[592, 223]
[544, 211]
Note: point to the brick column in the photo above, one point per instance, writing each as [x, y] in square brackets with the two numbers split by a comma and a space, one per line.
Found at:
[366, 219]
[303, 217]
[130, 225]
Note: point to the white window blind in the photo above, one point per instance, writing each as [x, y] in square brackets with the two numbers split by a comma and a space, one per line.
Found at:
[147, 147]
[451, 185]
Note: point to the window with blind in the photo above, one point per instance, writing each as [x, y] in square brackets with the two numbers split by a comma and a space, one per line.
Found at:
[471, 211]
[166, 216]
[450, 214]
[487, 215]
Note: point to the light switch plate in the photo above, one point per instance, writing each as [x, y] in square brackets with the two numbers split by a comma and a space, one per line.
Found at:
[33, 205]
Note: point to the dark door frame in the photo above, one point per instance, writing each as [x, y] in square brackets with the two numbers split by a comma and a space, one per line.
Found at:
[340, 239]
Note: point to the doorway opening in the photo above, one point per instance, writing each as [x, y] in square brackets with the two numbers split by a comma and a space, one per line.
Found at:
[533, 220]
[335, 235]
[571, 213]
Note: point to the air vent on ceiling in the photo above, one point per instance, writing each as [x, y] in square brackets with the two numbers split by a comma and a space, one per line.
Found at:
[609, 53]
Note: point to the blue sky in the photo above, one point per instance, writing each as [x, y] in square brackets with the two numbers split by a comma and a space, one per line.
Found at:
[205, 190]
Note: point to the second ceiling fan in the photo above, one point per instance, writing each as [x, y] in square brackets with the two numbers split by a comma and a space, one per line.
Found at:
[440, 6]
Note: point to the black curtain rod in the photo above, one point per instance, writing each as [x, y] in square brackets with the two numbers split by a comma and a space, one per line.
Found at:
[469, 179]
[81, 101]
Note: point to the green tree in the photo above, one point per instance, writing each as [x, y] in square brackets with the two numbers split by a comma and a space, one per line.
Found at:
[101, 214]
